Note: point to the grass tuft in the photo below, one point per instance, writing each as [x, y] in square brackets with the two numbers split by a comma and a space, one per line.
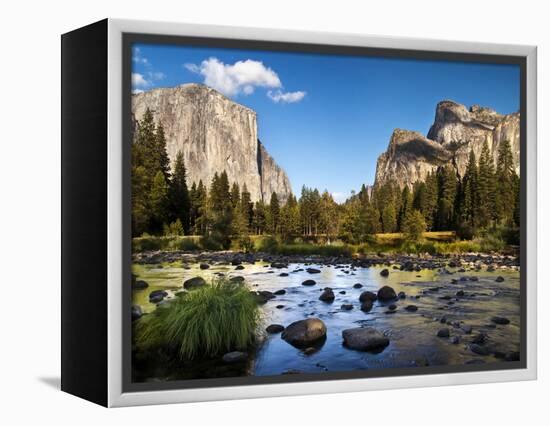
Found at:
[208, 321]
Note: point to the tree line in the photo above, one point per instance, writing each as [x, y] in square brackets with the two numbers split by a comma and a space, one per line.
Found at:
[222, 211]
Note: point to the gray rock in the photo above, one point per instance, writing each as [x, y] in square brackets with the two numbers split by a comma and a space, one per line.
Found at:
[139, 285]
[327, 296]
[313, 270]
[194, 283]
[500, 320]
[411, 156]
[235, 357]
[357, 285]
[384, 272]
[137, 312]
[366, 306]
[280, 292]
[478, 349]
[214, 133]
[204, 266]
[306, 332]
[309, 283]
[364, 339]
[274, 328]
[367, 295]
[386, 294]
[499, 279]
[443, 332]
[411, 308]
[236, 279]
[346, 307]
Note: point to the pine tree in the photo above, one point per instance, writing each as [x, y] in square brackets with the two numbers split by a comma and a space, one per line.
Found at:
[140, 201]
[179, 195]
[160, 152]
[470, 199]
[372, 220]
[414, 225]
[447, 184]
[201, 206]
[486, 188]
[389, 218]
[159, 202]
[247, 206]
[235, 195]
[220, 212]
[274, 216]
[259, 219]
[328, 210]
[406, 206]
[505, 196]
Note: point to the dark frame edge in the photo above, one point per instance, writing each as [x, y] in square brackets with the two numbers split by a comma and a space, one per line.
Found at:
[84, 77]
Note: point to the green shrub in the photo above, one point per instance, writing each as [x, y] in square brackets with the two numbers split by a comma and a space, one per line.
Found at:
[492, 242]
[414, 225]
[174, 229]
[267, 244]
[314, 249]
[208, 321]
[164, 243]
[457, 247]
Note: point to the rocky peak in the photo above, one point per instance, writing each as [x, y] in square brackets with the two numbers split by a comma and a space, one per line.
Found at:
[455, 132]
[215, 134]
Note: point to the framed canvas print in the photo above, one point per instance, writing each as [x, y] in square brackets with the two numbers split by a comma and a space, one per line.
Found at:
[251, 213]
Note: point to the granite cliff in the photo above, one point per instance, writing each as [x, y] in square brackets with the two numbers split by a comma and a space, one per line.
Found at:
[214, 134]
[456, 130]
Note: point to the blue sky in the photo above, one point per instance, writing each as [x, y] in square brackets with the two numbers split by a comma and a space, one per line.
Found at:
[326, 118]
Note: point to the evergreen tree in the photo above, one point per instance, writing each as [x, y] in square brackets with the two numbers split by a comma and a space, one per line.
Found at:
[505, 195]
[235, 195]
[247, 206]
[414, 225]
[179, 194]
[220, 212]
[160, 152]
[486, 187]
[406, 206]
[470, 196]
[447, 184]
[328, 211]
[259, 218]
[159, 202]
[140, 201]
[372, 220]
[201, 206]
[389, 218]
[274, 213]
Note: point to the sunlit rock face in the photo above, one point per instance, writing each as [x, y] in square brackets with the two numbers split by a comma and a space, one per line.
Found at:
[214, 134]
[456, 130]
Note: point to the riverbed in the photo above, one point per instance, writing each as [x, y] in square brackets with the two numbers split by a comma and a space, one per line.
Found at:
[463, 300]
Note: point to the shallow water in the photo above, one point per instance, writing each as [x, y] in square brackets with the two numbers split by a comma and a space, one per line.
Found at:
[413, 340]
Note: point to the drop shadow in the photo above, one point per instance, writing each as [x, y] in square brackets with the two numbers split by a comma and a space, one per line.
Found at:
[53, 382]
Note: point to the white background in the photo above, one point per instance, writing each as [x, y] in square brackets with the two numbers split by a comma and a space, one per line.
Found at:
[30, 209]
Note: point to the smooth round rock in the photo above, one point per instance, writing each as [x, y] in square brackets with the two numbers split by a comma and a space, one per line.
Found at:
[364, 339]
[305, 333]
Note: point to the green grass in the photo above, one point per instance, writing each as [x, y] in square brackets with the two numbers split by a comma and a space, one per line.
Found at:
[145, 243]
[208, 321]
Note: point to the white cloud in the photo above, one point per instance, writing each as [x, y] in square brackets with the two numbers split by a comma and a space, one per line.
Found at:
[138, 58]
[156, 75]
[136, 91]
[194, 68]
[237, 78]
[286, 97]
[139, 81]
